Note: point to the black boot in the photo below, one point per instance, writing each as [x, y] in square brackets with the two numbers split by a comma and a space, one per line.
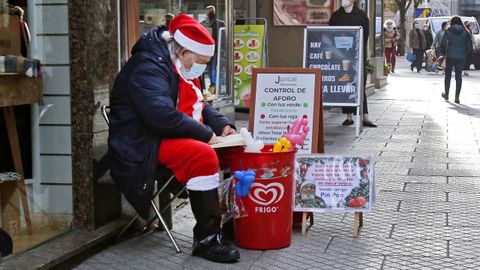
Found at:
[207, 239]
[445, 95]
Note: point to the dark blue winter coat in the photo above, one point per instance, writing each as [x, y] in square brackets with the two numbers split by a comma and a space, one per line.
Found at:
[142, 112]
[456, 43]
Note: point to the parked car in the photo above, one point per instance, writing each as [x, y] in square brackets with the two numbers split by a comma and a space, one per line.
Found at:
[436, 25]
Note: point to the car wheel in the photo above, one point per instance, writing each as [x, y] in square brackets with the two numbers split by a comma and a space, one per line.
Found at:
[477, 66]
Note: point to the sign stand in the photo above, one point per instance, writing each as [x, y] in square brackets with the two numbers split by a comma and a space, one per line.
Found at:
[305, 216]
[334, 184]
[358, 223]
[337, 51]
[279, 90]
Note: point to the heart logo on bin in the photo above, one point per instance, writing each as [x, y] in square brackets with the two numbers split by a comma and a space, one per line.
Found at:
[260, 193]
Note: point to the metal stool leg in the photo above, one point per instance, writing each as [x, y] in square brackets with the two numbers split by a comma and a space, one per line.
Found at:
[163, 209]
[157, 212]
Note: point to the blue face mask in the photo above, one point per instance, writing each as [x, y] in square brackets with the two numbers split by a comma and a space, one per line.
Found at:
[417, 26]
[195, 71]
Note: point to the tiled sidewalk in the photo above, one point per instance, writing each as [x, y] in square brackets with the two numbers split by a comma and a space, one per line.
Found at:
[428, 182]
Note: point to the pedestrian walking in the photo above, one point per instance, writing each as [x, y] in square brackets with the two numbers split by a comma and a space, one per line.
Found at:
[456, 46]
[350, 15]
[391, 38]
[470, 32]
[437, 41]
[418, 44]
[428, 42]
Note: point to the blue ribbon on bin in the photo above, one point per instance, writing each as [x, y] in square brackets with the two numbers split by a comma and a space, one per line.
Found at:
[245, 180]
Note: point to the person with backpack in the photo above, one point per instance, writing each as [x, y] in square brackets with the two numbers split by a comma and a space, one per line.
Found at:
[456, 46]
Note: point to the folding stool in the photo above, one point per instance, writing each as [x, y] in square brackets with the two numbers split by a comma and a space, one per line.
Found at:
[162, 184]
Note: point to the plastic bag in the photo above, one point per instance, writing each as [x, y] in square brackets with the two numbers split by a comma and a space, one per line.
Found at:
[231, 206]
[411, 57]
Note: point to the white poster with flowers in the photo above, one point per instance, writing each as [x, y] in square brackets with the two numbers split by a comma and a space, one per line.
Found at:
[334, 183]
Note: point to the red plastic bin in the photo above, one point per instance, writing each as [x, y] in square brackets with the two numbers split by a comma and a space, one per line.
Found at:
[269, 204]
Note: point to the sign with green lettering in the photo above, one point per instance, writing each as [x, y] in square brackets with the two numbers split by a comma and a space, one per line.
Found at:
[279, 97]
[248, 45]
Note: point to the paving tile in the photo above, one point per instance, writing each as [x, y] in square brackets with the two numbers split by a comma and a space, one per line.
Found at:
[412, 196]
[439, 206]
[388, 246]
[453, 172]
[408, 218]
[314, 260]
[419, 231]
[452, 187]
[433, 263]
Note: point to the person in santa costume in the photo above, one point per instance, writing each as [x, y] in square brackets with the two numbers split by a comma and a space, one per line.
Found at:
[158, 115]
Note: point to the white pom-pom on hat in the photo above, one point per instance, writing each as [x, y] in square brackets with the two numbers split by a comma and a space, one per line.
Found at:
[166, 36]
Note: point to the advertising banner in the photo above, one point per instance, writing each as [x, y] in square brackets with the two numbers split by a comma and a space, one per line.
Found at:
[334, 183]
[281, 96]
[337, 51]
[248, 44]
[302, 12]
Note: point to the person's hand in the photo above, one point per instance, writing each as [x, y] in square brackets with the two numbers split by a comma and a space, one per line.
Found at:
[228, 130]
[213, 140]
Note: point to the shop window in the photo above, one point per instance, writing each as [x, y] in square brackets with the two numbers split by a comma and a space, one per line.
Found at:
[36, 206]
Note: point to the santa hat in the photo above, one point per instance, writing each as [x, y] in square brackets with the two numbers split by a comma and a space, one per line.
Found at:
[191, 35]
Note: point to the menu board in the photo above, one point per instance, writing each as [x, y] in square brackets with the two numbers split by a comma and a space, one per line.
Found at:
[248, 44]
[302, 12]
[281, 96]
[338, 52]
[334, 183]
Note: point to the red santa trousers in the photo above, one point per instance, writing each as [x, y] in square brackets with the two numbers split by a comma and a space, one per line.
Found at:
[193, 162]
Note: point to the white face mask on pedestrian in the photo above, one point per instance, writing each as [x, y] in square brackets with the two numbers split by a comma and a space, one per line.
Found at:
[347, 3]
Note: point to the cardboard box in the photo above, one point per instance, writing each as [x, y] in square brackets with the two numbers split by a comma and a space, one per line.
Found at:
[9, 35]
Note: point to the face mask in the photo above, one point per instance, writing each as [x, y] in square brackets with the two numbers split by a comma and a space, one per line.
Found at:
[346, 3]
[195, 71]
[417, 26]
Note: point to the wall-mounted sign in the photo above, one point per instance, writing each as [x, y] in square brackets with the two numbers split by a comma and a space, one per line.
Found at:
[302, 12]
[248, 45]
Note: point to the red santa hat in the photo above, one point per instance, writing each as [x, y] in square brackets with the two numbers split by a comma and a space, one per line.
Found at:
[191, 35]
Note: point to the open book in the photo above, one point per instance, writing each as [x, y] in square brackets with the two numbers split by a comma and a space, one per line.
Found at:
[229, 141]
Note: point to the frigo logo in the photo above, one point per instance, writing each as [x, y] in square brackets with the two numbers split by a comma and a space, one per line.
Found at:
[265, 196]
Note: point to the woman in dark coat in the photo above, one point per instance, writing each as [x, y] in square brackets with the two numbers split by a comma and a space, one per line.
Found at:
[456, 46]
[418, 43]
[158, 116]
